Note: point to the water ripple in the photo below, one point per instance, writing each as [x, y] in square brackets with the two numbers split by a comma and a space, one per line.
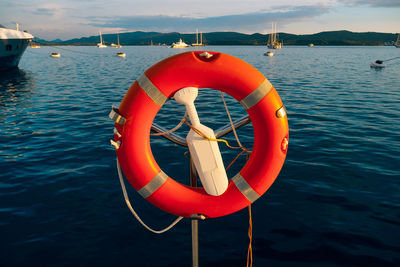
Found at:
[335, 202]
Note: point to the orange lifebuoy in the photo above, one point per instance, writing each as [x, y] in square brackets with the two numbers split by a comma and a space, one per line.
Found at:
[217, 71]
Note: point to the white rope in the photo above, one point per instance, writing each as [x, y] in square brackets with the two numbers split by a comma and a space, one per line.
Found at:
[183, 120]
[230, 119]
[128, 203]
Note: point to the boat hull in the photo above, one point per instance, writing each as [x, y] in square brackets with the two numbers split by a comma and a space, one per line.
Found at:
[11, 51]
[275, 46]
[179, 46]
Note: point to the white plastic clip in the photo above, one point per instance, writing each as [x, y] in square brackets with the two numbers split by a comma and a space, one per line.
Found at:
[206, 54]
[280, 113]
[117, 132]
[115, 116]
[115, 144]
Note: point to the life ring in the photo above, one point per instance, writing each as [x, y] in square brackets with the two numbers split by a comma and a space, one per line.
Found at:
[202, 70]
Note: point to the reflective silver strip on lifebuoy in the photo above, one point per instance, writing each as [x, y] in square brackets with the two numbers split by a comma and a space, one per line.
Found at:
[254, 97]
[153, 185]
[115, 116]
[245, 188]
[151, 90]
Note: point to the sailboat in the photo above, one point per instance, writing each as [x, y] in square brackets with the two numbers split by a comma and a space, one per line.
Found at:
[197, 39]
[101, 44]
[118, 45]
[273, 39]
[397, 43]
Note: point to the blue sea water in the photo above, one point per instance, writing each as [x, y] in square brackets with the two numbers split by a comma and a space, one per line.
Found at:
[336, 201]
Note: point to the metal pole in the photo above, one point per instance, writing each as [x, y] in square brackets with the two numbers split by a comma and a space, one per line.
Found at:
[193, 178]
[194, 222]
[195, 242]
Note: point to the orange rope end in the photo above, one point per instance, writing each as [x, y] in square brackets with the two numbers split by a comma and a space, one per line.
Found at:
[250, 234]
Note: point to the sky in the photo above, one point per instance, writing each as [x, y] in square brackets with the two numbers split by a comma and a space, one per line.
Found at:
[67, 19]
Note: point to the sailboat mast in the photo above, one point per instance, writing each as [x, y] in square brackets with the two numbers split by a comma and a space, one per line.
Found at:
[276, 32]
[201, 38]
[272, 34]
[197, 37]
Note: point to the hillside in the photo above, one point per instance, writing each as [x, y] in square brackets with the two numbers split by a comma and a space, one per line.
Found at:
[235, 38]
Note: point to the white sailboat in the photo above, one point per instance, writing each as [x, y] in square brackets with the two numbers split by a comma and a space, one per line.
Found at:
[114, 45]
[101, 44]
[397, 43]
[197, 39]
[273, 42]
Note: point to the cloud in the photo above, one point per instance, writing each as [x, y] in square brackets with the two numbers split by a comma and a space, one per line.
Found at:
[45, 11]
[248, 22]
[372, 3]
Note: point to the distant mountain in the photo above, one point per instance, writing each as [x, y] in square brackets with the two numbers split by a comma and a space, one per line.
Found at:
[42, 41]
[235, 38]
[340, 38]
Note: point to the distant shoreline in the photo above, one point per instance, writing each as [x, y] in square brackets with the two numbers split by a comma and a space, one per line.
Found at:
[330, 38]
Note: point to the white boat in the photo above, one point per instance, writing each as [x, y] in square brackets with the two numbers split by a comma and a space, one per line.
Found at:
[378, 64]
[54, 54]
[101, 44]
[12, 45]
[197, 39]
[269, 53]
[121, 54]
[397, 43]
[180, 44]
[273, 42]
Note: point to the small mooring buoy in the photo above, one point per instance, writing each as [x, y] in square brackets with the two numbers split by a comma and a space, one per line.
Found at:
[378, 64]
[54, 54]
[121, 54]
